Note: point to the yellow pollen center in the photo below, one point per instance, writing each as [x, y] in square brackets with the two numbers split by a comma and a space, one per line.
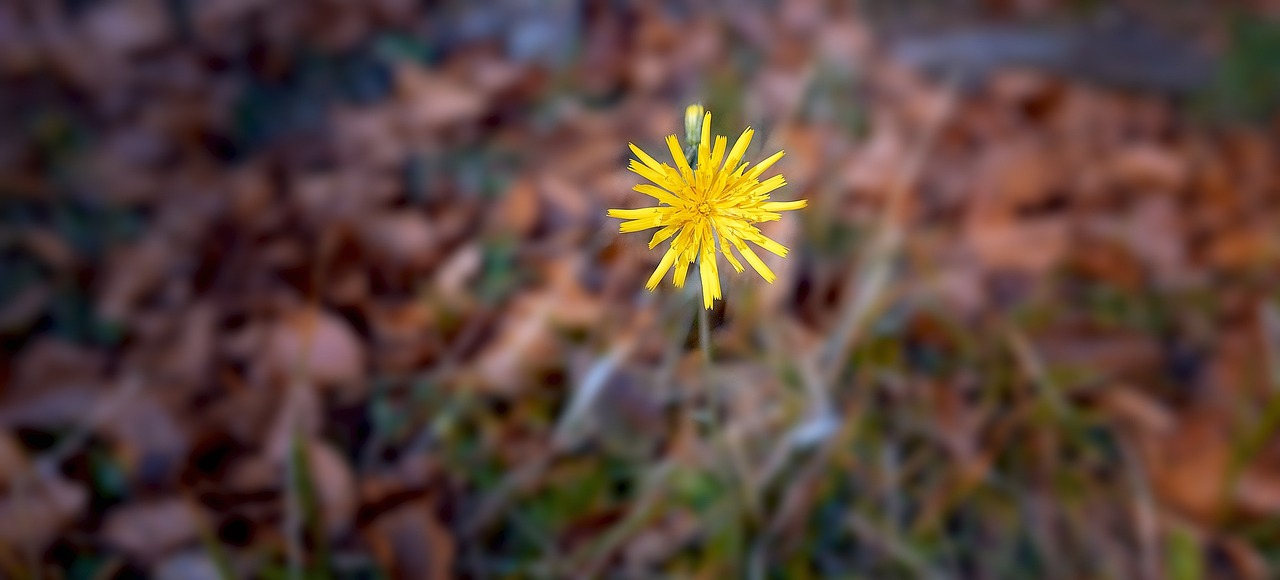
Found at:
[704, 208]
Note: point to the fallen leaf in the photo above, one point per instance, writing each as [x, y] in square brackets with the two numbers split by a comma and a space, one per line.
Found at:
[1189, 467]
[335, 486]
[54, 251]
[301, 414]
[1149, 167]
[430, 100]
[150, 442]
[212, 17]
[24, 309]
[1241, 247]
[35, 511]
[149, 530]
[406, 238]
[192, 565]
[1034, 246]
[517, 212]
[131, 273]
[411, 542]
[190, 357]
[1017, 174]
[404, 335]
[319, 346]
[523, 341]
[453, 278]
[124, 27]
[13, 460]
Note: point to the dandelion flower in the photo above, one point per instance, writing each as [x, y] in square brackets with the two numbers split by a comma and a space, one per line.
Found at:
[710, 207]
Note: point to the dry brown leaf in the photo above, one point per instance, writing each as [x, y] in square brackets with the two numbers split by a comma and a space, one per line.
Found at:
[517, 213]
[335, 486]
[54, 406]
[212, 17]
[1034, 246]
[411, 542]
[150, 442]
[404, 335]
[524, 340]
[35, 511]
[369, 136]
[124, 27]
[1017, 174]
[1240, 247]
[24, 309]
[1148, 166]
[13, 460]
[430, 100]
[453, 277]
[192, 565]
[319, 346]
[564, 197]
[54, 251]
[132, 272]
[190, 357]
[301, 414]
[148, 530]
[343, 195]
[404, 237]
[1189, 467]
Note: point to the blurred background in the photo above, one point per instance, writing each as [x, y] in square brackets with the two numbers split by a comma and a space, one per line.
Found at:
[324, 289]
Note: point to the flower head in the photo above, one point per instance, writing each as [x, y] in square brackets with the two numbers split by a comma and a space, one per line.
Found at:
[709, 207]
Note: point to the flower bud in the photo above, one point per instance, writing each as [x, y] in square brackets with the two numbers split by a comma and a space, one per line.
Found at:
[693, 124]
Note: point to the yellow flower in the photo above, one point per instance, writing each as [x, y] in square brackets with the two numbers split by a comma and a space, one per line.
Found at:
[715, 203]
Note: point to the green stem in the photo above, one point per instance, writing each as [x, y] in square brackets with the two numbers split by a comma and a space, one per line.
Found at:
[704, 333]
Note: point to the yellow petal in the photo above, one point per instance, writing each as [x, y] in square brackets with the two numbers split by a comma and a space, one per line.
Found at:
[765, 242]
[756, 263]
[640, 224]
[717, 153]
[633, 214]
[709, 272]
[763, 165]
[704, 145]
[708, 284]
[739, 149]
[785, 205]
[682, 270]
[686, 244]
[662, 235]
[667, 259]
[768, 185]
[662, 178]
[657, 193]
[728, 255]
[645, 158]
[681, 163]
